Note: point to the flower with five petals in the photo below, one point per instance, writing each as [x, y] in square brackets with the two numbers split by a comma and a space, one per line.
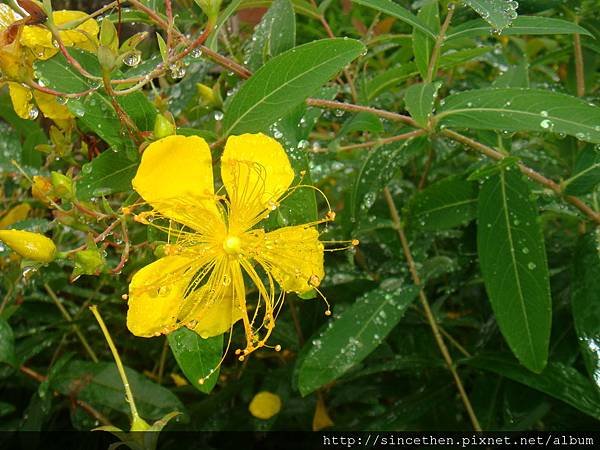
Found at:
[216, 240]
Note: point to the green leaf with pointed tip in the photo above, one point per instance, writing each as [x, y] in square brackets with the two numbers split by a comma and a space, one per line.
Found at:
[513, 263]
[197, 357]
[419, 100]
[95, 110]
[515, 109]
[446, 204]
[423, 43]
[286, 81]
[393, 9]
[586, 172]
[108, 173]
[498, 13]
[380, 166]
[532, 25]
[516, 76]
[275, 34]
[7, 344]
[585, 304]
[557, 380]
[353, 335]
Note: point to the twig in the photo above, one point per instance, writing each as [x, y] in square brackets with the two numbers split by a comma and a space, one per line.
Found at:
[579, 70]
[127, 247]
[428, 313]
[438, 43]
[400, 137]
[535, 176]
[332, 104]
[69, 319]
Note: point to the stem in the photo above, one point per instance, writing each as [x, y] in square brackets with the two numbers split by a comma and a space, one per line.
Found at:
[428, 313]
[535, 176]
[332, 104]
[579, 70]
[69, 319]
[438, 43]
[163, 360]
[128, 394]
[400, 137]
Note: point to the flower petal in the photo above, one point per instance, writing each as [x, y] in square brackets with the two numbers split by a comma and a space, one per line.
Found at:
[217, 316]
[156, 294]
[256, 171]
[39, 39]
[50, 107]
[175, 178]
[294, 257]
[21, 99]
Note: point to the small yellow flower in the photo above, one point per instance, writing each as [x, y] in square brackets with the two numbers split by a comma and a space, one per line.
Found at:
[34, 246]
[219, 243]
[21, 45]
[265, 405]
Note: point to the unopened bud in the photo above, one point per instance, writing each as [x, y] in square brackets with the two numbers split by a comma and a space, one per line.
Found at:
[164, 125]
[63, 185]
[34, 246]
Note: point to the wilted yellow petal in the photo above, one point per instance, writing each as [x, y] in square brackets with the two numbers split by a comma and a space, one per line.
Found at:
[50, 107]
[178, 380]
[156, 294]
[321, 419]
[16, 214]
[256, 171]
[39, 38]
[7, 16]
[265, 405]
[175, 177]
[294, 256]
[21, 99]
[34, 246]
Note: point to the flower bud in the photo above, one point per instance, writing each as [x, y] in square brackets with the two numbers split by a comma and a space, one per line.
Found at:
[164, 125]
[41, 189]
[210, 8]
[89, 261]
[34, 246]
[16, 214]
[108, 35]
[63, 185]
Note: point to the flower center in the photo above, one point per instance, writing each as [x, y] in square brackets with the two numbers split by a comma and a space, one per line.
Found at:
[232, 245]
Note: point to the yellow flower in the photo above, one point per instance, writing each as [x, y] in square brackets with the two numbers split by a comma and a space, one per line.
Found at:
[219, 243]
[14, 215]
[265, 405]
[21, 45]
[34, 246]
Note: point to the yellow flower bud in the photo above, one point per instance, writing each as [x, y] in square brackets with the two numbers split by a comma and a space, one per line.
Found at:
[265, 405]
[34, 246]
[16, 214]
[209, 96]
[41, 189]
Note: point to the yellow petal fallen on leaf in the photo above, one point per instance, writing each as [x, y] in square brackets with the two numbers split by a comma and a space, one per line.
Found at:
[265, 405]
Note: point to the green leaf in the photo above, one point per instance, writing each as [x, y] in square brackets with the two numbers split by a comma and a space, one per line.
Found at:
[419, 99]
[363, 122]
[95, 110]
[212, 41]
[275, 34]
[513, 262]
[353, 335]
[380, 166]
[108, 173]
[515, 77]
[7, 344]
[286, 81]
[498, 13]
[532, 25]
[584, 303]
[392, 77]
[423, 43]
[557, 380]
[197, 357]
[513, 109]
[587, 172]
[446, 204]
[397, 11]
[100, 385]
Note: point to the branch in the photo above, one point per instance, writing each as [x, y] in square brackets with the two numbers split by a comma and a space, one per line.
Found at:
[535, 176]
